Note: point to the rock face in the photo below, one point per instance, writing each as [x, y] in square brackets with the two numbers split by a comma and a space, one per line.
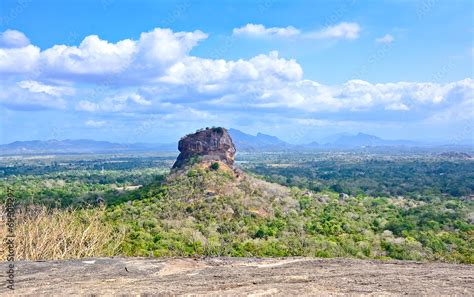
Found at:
[240, 277]
[211, 144]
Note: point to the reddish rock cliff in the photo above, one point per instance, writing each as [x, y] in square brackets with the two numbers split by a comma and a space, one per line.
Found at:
[211, 144]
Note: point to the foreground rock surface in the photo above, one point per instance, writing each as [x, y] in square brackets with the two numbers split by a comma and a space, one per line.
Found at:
[241, 276]
[211, 144]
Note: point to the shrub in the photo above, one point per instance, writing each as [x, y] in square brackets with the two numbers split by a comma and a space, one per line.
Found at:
[43, 234]
[215, 166]
[219, 130]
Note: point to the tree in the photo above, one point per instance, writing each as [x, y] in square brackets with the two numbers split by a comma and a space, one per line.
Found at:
[215, 166]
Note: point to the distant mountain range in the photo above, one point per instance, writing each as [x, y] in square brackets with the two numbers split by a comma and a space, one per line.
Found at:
[263, 142]
[244, 142]
[260, 142]
[365, 140]
[80, 146]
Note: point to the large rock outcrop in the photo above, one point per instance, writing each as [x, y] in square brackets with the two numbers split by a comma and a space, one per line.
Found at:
[211, 144]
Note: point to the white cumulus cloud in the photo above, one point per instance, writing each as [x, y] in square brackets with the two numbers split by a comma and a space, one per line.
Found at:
[122, 102]
[259, 30]
[28, 95]
[387, 38]
[37, 87]
[21, 60]
[13, 39]
[157, 74]
[194, 70]
[95, 58]
[342, 30]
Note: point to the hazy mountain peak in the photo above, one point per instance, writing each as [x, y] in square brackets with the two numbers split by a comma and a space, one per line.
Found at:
[246, 142]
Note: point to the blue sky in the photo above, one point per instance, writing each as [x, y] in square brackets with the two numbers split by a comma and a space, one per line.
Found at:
[132, 71]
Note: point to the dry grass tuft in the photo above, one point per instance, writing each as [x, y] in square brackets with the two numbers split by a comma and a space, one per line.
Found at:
[43, 234]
